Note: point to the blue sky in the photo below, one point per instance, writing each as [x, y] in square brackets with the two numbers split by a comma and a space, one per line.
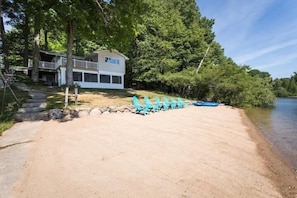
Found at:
[258, 33]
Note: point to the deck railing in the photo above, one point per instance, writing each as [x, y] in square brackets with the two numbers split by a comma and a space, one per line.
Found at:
[81, 64]
[76, 64]
[47, 65]
[43, 64]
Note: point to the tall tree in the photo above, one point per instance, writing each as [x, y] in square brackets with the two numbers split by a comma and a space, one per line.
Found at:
[111, 21]
[18, 17]
[37, 9]
[26, 35]
[5, 50]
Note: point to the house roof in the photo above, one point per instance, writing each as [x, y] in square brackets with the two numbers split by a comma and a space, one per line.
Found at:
[113, 51]
[53, 54]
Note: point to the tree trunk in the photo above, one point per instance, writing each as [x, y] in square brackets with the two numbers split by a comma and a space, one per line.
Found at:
[45, 41]
[4, 41]
[69, 66]
[26, 36]
[36, 55]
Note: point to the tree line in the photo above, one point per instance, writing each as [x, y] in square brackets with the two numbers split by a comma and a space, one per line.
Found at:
[284, 87]
[171, 46]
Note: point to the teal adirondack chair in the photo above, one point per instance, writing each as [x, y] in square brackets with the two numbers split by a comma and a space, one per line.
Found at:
[169, 104]
[138, 107]
[174, 103]
[161, 105]
[150, 106]
[181, 102]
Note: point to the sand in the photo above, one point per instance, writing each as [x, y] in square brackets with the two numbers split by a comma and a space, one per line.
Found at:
[192, 152]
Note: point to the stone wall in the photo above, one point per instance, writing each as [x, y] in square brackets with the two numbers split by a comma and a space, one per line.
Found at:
[69, 114]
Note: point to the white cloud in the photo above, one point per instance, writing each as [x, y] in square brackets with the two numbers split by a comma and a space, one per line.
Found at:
[256, 54]
[261, 34]
[279, 62]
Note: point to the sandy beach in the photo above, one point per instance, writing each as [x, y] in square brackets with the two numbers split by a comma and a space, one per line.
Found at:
[191, 152]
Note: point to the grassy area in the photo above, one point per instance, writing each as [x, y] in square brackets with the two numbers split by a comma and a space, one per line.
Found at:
[88, 98]
[10, 106]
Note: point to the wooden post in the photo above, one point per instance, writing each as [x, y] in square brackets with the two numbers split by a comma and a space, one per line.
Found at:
[6, 84]
[76, 94]
[66, 97]
[2, 108]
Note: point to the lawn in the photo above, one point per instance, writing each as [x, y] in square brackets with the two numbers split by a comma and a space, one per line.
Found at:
[89, 98]
[9, 106]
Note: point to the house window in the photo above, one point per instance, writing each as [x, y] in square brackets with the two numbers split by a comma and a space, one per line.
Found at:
[104, 78]
[116, 80]
[77, 76]
[112, 60]
[90, 77]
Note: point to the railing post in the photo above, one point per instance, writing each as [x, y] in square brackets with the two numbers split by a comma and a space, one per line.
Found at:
[66, 97]
[76, 93]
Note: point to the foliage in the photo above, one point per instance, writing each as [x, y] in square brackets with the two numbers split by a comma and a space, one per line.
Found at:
[285, 87]
[10, 106]
[165, 41]
[169, 47]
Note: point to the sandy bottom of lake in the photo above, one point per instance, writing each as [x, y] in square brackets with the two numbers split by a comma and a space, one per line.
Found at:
[191, 152]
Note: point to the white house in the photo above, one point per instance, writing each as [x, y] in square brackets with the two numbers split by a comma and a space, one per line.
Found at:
[100, 69]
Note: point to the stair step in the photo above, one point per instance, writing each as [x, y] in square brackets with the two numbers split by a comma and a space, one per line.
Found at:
[36, 94]
[31, 116]
[34, 104]
[31, 109]
[36, 100]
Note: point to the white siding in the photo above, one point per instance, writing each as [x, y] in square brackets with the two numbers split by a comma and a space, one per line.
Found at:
[109, 67]
[83, 84]
[114, 71]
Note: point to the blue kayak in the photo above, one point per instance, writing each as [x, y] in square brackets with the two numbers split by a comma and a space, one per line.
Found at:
[206, 104]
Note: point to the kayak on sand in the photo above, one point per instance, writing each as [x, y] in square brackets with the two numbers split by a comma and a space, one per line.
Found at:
[206, 104]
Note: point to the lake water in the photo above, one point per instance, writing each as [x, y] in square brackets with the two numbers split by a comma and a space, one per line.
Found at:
[279, 127]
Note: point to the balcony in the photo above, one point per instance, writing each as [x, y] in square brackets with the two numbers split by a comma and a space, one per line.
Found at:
[79, 64]
[43, 65]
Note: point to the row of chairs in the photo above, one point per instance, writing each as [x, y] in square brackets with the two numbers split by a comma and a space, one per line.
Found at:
[158, 105]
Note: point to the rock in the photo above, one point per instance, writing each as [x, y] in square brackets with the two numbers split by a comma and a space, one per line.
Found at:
[95, 112]
[55, 114]
[113, 109]
[122, 109]
[69, 114]
[105, 113]
[74, 113]
[104, 109]
[66, 118]
[83, 113]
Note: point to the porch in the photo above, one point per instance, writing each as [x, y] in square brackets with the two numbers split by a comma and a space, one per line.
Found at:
[77, 64]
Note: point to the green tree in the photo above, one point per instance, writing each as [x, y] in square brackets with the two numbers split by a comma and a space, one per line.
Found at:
[111, 21]
[4, 41]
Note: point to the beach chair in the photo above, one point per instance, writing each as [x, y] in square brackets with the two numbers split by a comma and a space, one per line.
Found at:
[181, 103]
[138, 107]
[161, 105]
[150, 106]
[169, 104]
[174, 103]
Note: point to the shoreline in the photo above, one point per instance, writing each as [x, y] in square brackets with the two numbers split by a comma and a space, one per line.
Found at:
[280, 172]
